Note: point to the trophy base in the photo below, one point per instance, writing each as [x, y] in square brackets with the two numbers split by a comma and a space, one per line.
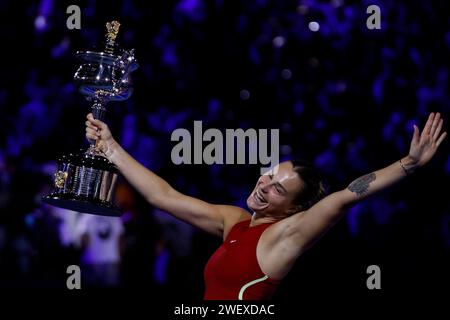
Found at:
[85, 182]
[83, 204]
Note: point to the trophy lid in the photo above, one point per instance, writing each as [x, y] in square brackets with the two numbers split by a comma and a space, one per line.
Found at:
[106, 70]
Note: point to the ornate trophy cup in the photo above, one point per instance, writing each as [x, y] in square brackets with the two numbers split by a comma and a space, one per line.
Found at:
[85, 181]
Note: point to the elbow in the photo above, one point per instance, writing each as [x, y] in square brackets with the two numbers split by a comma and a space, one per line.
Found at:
[157, 199]
[343, 200]
[163, 197]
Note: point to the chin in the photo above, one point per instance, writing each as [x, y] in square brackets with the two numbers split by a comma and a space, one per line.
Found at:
[250, 203]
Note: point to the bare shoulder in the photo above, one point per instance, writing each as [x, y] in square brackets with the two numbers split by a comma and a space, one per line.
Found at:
[231, 216]
[278, 231]
[305, 227]
[275, 254]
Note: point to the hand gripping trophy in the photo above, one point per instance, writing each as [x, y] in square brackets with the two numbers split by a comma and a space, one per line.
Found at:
[85, 181]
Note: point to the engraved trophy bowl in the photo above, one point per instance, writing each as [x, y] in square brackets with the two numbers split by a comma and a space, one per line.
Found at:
[85, 181]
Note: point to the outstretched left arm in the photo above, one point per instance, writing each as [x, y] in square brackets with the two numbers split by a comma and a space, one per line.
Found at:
[306, 227]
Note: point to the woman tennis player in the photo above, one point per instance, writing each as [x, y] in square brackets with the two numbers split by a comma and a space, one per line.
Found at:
[289, 212]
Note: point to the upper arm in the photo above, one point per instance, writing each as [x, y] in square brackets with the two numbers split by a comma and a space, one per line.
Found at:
[209, 217]
[309, 226]
[304, 228]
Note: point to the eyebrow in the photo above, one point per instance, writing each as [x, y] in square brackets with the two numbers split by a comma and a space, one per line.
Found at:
[270, 173]
[279, 184]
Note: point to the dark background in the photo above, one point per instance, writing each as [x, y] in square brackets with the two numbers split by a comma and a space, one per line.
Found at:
[344, 97]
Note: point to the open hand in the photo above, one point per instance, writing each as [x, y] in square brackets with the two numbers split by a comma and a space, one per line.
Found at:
[424, 145]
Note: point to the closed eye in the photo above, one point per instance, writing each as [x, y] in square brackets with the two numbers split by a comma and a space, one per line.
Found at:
[278, 187]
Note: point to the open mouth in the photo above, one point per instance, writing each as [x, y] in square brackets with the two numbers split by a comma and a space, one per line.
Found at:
[259, 198]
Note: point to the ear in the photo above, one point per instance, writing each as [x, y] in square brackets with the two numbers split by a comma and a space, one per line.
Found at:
[294, 209]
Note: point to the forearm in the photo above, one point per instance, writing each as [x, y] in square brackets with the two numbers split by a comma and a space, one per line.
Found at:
[376, 181]
[307, 228]
[152, 187]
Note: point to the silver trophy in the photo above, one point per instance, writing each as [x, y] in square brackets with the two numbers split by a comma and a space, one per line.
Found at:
[85, 181]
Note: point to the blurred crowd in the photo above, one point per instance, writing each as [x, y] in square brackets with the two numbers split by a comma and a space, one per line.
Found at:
[342, 96]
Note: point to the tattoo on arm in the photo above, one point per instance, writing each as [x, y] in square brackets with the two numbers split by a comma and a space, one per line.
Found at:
[361, 185]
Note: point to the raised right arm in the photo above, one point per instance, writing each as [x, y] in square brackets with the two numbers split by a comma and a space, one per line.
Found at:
[206, 216]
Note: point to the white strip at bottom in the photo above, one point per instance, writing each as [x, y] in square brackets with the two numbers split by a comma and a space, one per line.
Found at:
[245, 286]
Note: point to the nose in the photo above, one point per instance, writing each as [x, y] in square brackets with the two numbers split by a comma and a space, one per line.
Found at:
[264, 186]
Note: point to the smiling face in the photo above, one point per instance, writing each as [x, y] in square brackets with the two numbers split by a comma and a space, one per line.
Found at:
[275, 191]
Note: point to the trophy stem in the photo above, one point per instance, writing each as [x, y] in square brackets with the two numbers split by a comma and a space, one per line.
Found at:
[98, 108]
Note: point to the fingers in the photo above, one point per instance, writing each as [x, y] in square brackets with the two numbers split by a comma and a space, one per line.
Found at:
[91, 137]
[92, 134]
[416, 136]
[427, 128]
[434, 127]
[438, 129]
[91, 126]
[435, 124]
[441, 138]
[95, 122]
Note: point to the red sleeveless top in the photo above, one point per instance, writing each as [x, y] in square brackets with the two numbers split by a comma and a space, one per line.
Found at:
[233, 272]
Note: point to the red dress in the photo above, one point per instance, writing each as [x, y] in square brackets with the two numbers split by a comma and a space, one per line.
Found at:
[233, 272]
